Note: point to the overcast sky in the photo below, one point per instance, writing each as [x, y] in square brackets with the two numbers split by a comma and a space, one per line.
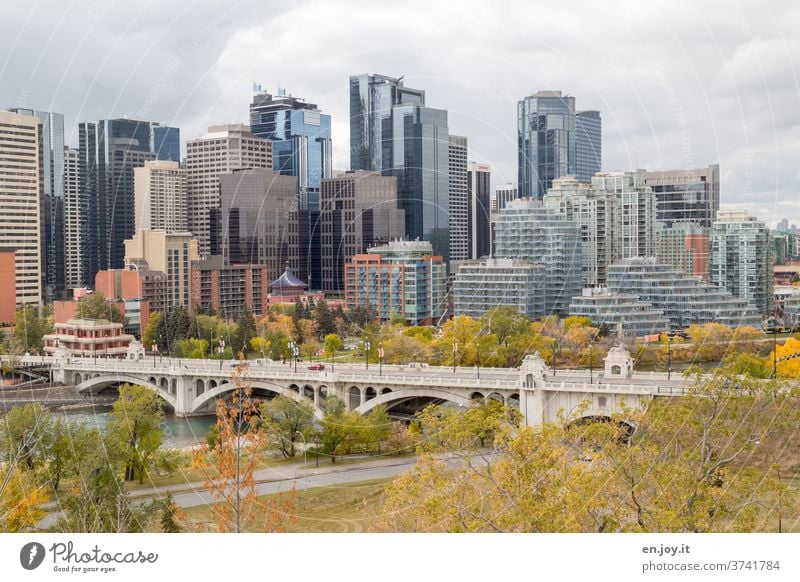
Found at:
[679, 83]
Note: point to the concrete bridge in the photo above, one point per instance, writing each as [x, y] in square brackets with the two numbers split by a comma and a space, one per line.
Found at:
[191, 387]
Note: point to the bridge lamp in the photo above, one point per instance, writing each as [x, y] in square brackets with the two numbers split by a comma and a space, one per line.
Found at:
[380, 361]
[455, 354]
[367, 347]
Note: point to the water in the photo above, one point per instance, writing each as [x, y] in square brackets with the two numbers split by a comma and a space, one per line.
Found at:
[178, 432]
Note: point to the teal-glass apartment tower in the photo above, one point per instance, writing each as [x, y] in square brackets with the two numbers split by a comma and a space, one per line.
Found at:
[392, 131]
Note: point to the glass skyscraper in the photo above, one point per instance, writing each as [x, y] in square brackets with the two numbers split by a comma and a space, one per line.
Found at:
[301, 147]
[554, 141]
[393, 132]
[109, 150]
[52, 170]
[588, 145]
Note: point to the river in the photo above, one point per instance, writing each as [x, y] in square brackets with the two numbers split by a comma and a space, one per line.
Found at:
[178, 432]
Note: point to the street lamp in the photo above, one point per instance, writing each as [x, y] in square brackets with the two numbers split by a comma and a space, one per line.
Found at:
[367, 346]
[669, 357]
[154, 349]
[455, 354]
[305, 456]
[774, 352]
[591, 361]
[380, 361]
[221, 351]
[555, 349]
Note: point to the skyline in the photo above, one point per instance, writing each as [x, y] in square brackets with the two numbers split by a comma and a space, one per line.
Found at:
[725, 94]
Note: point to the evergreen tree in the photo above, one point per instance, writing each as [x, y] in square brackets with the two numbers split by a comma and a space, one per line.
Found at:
[246, 330]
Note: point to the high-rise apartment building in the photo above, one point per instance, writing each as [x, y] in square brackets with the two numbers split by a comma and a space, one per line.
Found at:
[169, 253]
[685, 195]
[257, 222]
[76, 214]
[109, 150]
[527, 230]
[224, 148]
[51, 161]
[486, 284]
[394, 132]
[741, 258]
[160, 197]
[685, 247]
[479, 191]
[594, 210]
[402, 278]
[635, 226]
[459, 198]
[20, 203]
[301, 146]
[549, 139]
[358, 210]
[683, 299]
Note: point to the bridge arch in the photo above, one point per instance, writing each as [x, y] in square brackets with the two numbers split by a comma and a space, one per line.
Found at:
[97, 383]
[399, 395]
[199, 401]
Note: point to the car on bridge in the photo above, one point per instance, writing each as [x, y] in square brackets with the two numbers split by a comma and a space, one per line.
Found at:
[317, 367]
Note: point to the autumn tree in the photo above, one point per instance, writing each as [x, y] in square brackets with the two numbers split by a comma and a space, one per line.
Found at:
[21, 500]
[95, 306]
[333, 343]
[97, 501]
[284, 422]
[25, 435]
[136, 418]
[700, 463]
[29, 329]
[152, 332]
[228, 465]
[787, 356]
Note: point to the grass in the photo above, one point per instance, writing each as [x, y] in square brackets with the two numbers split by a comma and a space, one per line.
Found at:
[349, 507]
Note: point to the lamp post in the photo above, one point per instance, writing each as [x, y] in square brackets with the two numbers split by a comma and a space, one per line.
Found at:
[455, 354]
[555, 349]
[591, 361]
[305, 456]
[154, 349]
[669, 357]
[775, 352]
[380, 361]
[221, 351]
[367, 346]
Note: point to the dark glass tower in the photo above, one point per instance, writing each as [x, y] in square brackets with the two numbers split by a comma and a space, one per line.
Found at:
[109, 150]
[301, 147]
[393, 132]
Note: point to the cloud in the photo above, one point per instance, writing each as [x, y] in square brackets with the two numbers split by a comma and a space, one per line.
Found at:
[678, 83]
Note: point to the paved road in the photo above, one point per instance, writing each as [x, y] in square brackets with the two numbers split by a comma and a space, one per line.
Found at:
[328, 477]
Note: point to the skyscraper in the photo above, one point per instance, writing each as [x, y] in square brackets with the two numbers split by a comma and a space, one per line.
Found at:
[392, 131]
[20, 145]
[75, 222]
[741, 258]
[459, 199]
[588, 144]
[257, 220]
[359, 210]
[554, 141]
[109, 150]
[51, 159]
[503, 195]
[160, 192]
[685, 195]
[479, 188]
[224, 148]
[301, 146]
